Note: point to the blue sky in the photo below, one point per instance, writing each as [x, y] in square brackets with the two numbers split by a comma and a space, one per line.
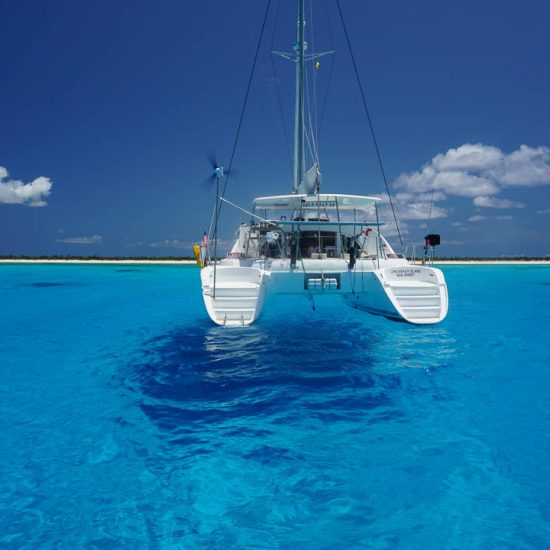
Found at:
[107, 110]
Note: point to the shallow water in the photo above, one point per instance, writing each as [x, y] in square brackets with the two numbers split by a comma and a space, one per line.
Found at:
[129, 420]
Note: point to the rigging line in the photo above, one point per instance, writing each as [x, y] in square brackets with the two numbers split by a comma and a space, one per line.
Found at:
[276, 24]
[250, 213]
[312, 128]
[370, 121]
[308, 141]
[431, 204]
[268, 4]
[324, 107]
[278, 93]
[277, 88]
[331, 36]
[312, 144]
[310, 147]
[310, 295]
[250, 231]
[211, 223]
[314, 72]
[315, 144]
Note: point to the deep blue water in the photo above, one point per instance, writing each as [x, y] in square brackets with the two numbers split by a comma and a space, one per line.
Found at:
[128, 420]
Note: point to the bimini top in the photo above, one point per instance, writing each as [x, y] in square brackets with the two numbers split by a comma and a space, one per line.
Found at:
[312, 202]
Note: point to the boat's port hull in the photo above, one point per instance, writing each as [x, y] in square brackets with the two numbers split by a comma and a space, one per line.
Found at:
[233, 296]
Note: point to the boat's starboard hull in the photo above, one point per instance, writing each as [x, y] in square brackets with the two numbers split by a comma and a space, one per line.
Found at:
[416, 294]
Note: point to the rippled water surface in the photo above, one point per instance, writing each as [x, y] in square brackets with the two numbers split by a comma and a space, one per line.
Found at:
[128, 420]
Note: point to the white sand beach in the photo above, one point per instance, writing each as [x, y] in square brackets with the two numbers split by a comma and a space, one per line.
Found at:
[192, 262]
[492, 262]
[55, 261]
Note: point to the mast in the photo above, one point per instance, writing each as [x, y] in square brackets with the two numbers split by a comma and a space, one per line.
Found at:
[299, 57]
[299, 50]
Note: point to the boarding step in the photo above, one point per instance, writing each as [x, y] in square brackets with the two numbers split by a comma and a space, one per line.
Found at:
[236, 284]
[421, 312]
[314, 283]
[234, 311]
[235, 303]
[419, 301]
[235, 317]
[243, 290]
[404, 290]
[420, 308]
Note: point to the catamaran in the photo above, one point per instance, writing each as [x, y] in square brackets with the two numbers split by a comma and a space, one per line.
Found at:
[314, 244]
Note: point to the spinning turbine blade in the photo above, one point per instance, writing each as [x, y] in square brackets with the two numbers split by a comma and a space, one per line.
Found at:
[207, 183]
[211, 156]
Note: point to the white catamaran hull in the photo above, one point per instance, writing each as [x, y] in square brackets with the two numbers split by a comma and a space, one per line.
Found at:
[311, 243]
[392, 288]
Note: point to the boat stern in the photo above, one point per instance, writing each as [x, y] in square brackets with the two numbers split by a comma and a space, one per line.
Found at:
[233, 295]
[418, 293]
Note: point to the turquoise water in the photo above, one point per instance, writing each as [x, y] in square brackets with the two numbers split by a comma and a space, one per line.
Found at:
[128, 420]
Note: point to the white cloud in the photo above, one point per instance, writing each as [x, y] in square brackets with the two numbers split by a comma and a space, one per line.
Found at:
[94, 239]
[477, 171]
[422, 197]
[409, 206]
[419, 211]
[468, 158]
[453, 243]
[390, 230]
[171, 243]
[493, 202]
[460, 227]
[463, 184]
[544, 211]
[29, 194]
[451, 182]
[478, 218]
[223, 244]
[526, 167]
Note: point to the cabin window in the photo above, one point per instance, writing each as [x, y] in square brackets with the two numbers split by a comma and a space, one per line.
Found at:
[309, 243]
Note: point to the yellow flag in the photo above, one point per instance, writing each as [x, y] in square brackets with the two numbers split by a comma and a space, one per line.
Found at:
[317, 65]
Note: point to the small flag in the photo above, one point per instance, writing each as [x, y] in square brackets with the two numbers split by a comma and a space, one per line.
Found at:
[205, 240]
